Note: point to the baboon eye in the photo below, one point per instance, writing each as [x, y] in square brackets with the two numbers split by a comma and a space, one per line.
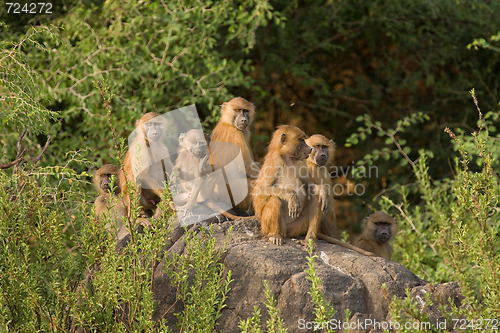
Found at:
[384, 224]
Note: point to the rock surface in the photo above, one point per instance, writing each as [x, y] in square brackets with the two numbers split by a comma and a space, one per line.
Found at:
[349, 280]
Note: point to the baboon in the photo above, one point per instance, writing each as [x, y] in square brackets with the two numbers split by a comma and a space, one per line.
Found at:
[105, 202]
[286, 202]
[148, 182]
[378, 229]
[192, 163]
[234, 124]
[320, 158]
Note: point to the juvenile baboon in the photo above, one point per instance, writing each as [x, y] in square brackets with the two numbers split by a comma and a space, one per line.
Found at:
[192, 163]
[107, 202]
[234, 126]
[378, 229]
[150, 128]
[320, 158]
[286, 202]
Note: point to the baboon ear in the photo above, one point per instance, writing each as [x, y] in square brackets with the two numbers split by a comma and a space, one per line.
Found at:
[333, 143]
[223, 106]
[181, 138]
[283, 138]
[364, 221]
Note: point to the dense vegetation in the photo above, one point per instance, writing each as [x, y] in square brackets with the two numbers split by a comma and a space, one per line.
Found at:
[390, 74]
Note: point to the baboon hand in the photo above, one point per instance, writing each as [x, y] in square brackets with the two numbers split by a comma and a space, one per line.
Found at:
[293, 206]
[203, 163]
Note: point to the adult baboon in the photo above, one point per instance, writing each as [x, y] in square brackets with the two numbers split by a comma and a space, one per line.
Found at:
[234, 127]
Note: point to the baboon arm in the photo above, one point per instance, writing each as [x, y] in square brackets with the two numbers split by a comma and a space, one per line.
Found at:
[344, 244]
[194, 193]
[322, 192]
[196, 187]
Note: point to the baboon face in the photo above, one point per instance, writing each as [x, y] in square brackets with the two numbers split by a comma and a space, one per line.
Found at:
[319, 154]
[323, 149]
[241, 119]
[195, 142]
[292, 142]
[383, 232]
[153, 126]
[239, 112]
[106, 182]
[380, 227]
[105, 176]
[153, 130]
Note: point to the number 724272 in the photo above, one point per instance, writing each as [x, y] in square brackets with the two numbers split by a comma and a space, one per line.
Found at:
[29, 8]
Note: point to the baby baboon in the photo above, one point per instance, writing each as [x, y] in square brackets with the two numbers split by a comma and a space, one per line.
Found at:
[321, 157]
[192, 162]
[379, 228]
[105, 203]
[234, 126]
[286, 202]
[191, 165]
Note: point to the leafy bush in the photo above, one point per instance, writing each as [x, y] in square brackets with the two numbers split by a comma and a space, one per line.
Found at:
[61, 271]
[453, 230]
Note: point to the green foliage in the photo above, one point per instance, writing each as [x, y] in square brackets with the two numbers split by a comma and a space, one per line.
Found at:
[40, 267]
[387, 58]
[454, 234]
[252, 324]
[203, 294]
[323, 311]
[153, 56]
[483, 43]
[274, 323]
[60, 269]
[21, 100]
[391, 135]
[407, 312]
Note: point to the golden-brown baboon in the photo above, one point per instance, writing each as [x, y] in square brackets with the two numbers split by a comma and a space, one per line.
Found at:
[378, 229]
[320, 158]
[286, 202]
[145, 171]
[105, 202]
[234, 124]
[192, 163]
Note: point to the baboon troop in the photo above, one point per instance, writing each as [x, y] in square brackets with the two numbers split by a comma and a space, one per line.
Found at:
[291, 194]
